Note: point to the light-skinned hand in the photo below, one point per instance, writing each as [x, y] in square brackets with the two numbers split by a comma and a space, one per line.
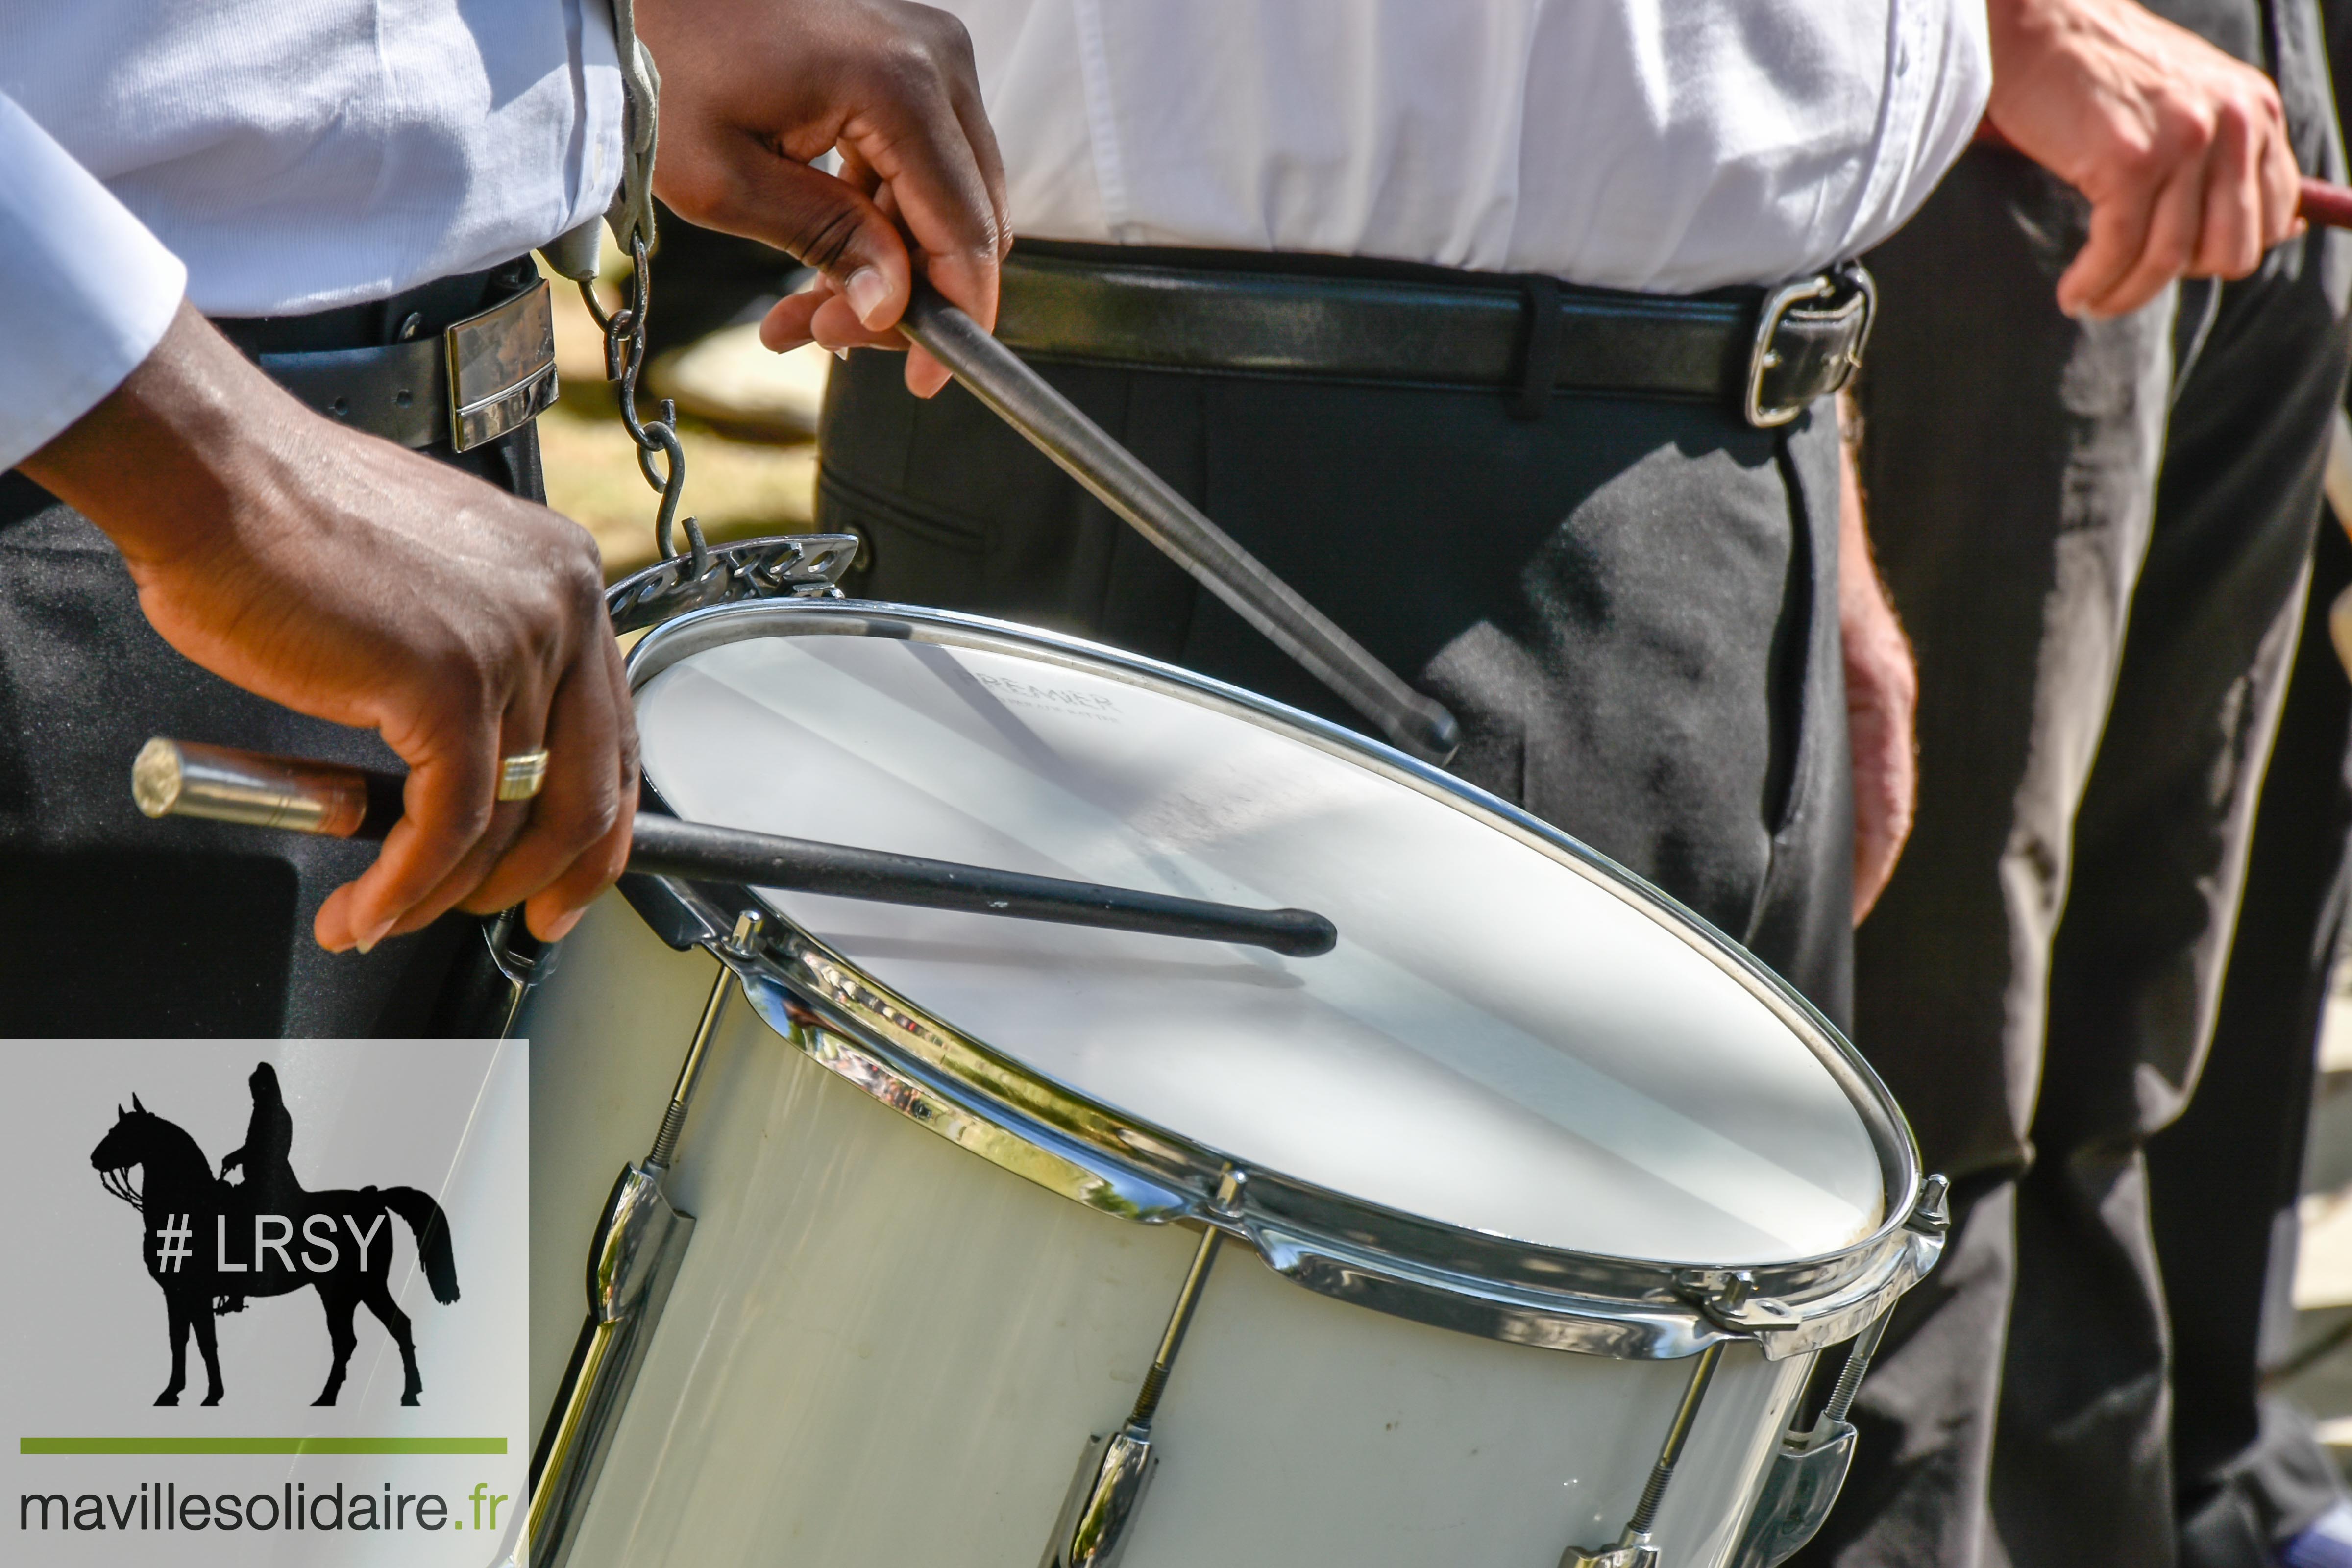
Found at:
[2181, 149]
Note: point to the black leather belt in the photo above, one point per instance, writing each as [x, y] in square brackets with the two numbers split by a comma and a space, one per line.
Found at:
[461, 360]
[1766, 353]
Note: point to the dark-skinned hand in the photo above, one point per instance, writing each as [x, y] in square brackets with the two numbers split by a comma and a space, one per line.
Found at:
[755, 91]
[357, 582]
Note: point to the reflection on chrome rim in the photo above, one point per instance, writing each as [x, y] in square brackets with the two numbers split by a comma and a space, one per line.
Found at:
[1039, 1127]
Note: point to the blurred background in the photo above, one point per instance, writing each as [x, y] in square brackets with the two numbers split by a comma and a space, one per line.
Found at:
[748, 418]
[2310, 1355]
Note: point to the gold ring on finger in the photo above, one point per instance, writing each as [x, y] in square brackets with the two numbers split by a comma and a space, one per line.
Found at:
[521, 776]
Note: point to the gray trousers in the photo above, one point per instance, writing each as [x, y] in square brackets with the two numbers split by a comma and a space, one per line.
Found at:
[2097, 534]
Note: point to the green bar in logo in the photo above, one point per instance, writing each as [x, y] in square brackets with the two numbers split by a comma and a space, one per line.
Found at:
[261, 1445]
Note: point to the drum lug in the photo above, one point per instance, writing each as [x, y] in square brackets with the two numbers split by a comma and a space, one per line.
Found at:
[1727, 1296]
[635, 1260]
[1804, 1480]
[1643, 1556]
[1091, 1532]
[639, 1247]
[1113, 1474]
[1809, 1471]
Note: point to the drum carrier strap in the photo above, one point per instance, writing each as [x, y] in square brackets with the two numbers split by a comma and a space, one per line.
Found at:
[641, 1240]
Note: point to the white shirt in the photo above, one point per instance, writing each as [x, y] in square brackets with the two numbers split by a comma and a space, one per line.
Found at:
[270, 157]
[1666, 145]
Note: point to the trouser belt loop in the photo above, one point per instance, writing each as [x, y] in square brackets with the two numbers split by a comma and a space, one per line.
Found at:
[1539, 360]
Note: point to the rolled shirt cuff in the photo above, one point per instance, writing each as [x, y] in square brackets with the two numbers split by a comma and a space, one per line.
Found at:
[89, 290]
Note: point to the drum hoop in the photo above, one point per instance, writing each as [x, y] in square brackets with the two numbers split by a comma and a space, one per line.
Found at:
[1407, 1265]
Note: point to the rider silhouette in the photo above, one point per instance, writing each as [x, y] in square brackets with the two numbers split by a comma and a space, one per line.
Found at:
[269, 1186]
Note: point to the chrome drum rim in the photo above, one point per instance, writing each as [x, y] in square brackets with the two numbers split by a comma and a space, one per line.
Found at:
[988, 1101]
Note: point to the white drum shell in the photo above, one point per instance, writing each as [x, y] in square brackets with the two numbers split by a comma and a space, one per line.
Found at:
[883, 1349]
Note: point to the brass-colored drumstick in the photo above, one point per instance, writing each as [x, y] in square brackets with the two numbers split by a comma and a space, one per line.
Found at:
[179, 778]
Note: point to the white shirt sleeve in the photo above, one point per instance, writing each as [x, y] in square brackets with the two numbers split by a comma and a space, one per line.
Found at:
[89, 289]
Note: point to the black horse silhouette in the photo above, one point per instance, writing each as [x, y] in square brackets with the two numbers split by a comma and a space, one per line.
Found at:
[199, 1228]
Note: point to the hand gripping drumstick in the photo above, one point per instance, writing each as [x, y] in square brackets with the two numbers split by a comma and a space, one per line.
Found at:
[1056, 427]
[181, 778]
[2322, 204]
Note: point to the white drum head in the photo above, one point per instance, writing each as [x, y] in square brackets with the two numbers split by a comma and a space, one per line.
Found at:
[1504, 1041]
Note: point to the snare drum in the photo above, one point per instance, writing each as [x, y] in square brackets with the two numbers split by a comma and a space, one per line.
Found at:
[1537, 1199]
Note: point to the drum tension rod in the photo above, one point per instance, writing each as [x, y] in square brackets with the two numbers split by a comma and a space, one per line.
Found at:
[1180, 1319]
[639, 1245]
[1634, 1549]
[740, 943]
[1114, 1472]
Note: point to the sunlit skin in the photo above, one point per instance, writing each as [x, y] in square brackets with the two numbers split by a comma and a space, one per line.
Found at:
[1881, 696]
[2181, 149]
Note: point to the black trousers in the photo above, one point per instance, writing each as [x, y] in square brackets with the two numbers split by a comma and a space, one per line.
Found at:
[1630, 605]
[116, 925]
[2098, 534]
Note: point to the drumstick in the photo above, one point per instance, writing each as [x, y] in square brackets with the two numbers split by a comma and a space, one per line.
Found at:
[1057, 427]
[2326, 204]
[181, 778]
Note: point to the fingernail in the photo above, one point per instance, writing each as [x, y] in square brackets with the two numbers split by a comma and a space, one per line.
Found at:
[842, 354]
[562, 928]
[866, 292]
[369, 938]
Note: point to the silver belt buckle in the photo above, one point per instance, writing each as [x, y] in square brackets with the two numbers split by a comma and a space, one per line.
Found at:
[1763, 358]
[501, 368]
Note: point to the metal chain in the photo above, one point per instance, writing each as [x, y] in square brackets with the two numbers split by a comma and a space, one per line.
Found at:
[625, 358]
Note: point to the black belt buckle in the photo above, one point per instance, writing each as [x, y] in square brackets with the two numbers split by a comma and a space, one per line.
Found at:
[501, 368]
[1809, 341]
